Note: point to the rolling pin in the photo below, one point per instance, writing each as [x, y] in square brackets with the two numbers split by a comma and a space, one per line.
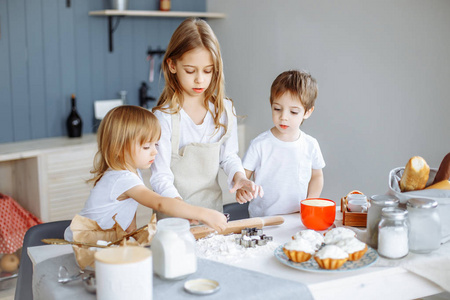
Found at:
[236, 226]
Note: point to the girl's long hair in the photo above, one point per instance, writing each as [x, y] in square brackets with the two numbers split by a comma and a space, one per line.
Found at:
[190, 34]
[117, 135]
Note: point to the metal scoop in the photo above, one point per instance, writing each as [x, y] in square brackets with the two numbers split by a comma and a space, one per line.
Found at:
[64, 277]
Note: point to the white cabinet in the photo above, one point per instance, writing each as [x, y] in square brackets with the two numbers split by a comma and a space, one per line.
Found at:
[63, 181]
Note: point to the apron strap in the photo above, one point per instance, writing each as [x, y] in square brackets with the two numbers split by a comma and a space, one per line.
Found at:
[176, 132]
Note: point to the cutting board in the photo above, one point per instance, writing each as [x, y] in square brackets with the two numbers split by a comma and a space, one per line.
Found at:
[236, 226]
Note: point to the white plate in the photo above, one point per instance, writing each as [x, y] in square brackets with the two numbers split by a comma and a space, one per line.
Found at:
[201, 286]
[311, 265]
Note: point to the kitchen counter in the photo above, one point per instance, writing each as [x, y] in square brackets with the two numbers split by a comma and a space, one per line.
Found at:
[385, 279]
[33, 148]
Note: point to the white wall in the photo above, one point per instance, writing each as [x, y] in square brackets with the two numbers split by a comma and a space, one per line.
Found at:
[383, 69]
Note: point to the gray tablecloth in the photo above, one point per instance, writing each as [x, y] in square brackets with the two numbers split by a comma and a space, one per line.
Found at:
[235, 283]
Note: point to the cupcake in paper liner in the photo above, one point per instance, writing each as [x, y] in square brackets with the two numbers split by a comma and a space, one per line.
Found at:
[315, 238]
[354, 247]
[331, 257]
[298, 250]
[336, 234]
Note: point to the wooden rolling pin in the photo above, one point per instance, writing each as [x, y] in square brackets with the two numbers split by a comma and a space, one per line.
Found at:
[236, 226]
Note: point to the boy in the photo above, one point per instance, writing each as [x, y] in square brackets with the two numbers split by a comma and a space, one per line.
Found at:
[285, 161]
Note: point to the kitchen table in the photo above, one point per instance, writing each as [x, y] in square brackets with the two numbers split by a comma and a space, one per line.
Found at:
[385, 279]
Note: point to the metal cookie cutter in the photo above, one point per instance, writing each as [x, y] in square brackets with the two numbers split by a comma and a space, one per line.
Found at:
[250, 237]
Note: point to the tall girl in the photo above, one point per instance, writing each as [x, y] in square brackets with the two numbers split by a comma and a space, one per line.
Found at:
[127, 139]
[199, 125]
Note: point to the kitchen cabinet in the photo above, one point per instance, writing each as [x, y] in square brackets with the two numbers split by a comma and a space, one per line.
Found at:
[48, 176]
[110, 13]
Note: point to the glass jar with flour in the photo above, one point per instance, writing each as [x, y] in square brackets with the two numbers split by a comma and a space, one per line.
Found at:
[393, 233]
[173, 249]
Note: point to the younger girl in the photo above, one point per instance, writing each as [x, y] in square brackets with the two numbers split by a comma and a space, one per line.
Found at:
[127, 139]
[199, 126]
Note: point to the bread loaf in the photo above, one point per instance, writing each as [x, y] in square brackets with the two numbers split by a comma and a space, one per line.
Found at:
[441, 185]
[443, 172]
[415, 176]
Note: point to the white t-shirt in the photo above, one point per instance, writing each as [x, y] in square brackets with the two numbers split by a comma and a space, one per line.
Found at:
[162, 177]
[102, 203]
[283, 169]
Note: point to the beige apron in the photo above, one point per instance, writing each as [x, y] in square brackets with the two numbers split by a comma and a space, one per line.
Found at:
[196, 168]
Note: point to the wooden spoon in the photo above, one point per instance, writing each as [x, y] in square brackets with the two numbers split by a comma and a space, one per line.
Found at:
[64, 242]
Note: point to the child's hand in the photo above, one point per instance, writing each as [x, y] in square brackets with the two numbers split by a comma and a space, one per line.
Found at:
[242, 196]
[215, 220]
[241, 182]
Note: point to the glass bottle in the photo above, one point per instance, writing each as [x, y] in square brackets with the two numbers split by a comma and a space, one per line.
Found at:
[74, 122]
[425, 225]
[173, 248]
[376, 204]
[393, 233]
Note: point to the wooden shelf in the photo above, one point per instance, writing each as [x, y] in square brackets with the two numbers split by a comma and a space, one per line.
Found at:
[111, 13]
[155, 13]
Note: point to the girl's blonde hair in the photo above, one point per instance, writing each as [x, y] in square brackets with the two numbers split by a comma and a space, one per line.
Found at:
[190, 34]
[119, 131]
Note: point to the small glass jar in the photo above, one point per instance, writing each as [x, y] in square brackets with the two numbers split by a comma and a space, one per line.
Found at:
[173, 248]
[425, 225]
[393, 233]
[376, 204]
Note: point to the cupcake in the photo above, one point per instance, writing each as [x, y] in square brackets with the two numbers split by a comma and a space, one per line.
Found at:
[331, 257]
[315, 238]
[336, 234]
[354, 247]
[298, 250]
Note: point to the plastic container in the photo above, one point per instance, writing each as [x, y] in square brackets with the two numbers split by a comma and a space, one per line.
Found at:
[393, 233]
[376, 204]
[425, 225]
[173, 249]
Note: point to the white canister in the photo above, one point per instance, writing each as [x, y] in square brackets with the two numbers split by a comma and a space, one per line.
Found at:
[425, 225]
[173, 248]
[124, 273]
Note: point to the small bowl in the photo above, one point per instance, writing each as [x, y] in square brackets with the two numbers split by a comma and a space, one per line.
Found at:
[317, 213]
[357, 205]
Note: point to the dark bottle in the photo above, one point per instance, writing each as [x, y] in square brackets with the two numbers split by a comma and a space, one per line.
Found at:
[74, 123]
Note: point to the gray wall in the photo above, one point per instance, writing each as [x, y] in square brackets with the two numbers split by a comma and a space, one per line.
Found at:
[49, 51]
[383, 69]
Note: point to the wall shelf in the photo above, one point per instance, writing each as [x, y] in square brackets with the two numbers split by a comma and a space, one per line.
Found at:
[111, 13]
[156, 13]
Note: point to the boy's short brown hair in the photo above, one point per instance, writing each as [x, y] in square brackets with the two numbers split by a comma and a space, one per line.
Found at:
[298, 83]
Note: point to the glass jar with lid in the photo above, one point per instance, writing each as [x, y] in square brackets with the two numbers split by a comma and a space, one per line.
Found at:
[393, 233]
[173, 248]
[425, 225]
[376, 204]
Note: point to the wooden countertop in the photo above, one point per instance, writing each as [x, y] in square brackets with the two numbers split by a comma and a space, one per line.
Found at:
[32, 148]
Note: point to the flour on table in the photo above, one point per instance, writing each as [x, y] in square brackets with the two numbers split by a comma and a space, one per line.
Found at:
[223, 248]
